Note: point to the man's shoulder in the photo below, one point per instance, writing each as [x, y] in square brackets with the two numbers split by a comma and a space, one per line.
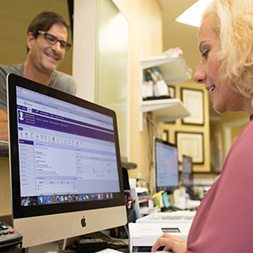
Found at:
[15, 69]
[65, 82]
[63, 76]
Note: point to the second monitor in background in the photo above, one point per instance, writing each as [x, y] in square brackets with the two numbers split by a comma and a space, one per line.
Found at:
[187, 175]
[187, 172]
[166, 166]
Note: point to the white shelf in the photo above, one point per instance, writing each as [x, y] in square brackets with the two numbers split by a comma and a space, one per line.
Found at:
[156, 61]
[165, 110]
[173, 69]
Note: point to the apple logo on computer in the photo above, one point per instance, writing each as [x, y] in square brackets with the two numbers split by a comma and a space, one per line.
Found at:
[83, 221]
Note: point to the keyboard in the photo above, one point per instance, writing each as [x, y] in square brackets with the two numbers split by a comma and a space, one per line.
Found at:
[146, 249]
[116, 251]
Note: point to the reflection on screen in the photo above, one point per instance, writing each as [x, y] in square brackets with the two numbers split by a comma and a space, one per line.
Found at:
[187, 170]
[166, 160]
[64, 151]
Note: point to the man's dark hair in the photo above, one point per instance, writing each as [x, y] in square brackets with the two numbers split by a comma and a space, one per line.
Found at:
[43, 22]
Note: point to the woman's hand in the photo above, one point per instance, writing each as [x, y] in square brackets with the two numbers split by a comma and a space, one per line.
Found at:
[170, 243]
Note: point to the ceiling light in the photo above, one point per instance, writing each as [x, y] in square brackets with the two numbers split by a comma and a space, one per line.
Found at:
[192, 15]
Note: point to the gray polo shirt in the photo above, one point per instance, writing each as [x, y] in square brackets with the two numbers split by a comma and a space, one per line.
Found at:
[61, 81]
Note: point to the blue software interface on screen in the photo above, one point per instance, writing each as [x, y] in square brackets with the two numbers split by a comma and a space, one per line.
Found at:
[64, 150]
[166, 165]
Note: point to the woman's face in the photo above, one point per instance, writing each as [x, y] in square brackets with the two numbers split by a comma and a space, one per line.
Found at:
[223, 96]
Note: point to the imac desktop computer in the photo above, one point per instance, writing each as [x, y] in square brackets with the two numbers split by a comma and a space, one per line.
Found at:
[66, 174]
[166, 165]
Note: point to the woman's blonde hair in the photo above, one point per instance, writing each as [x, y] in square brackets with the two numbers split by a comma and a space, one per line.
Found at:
[234, 24]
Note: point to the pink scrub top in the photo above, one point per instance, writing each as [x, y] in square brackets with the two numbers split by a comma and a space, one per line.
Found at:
[224, 221]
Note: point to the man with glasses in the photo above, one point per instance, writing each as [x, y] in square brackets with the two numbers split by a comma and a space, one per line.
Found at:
[47, 43]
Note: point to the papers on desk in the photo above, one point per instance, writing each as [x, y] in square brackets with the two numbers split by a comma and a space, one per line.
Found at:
[189, 204]
[168, 217]
[145, 210]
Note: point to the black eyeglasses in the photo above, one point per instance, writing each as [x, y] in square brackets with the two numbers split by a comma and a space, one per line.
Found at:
[51, 39]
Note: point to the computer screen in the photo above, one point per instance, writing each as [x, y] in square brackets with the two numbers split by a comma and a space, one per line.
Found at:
[66, 172]
[187, 173]
[166, 165]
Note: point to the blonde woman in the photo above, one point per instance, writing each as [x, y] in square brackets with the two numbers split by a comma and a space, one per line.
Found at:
[224, 220]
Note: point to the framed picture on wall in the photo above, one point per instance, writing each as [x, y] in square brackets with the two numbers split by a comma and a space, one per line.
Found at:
[193, 100]
[190, 144]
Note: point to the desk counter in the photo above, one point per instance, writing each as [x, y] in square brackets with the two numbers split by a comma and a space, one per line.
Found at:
[5, 199]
